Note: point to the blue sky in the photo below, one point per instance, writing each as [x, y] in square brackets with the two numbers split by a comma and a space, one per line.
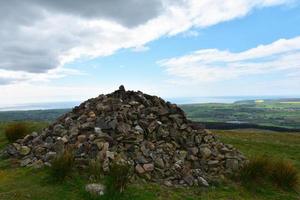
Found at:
[255, 52]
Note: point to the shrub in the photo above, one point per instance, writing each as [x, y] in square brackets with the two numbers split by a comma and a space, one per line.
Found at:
[15, 131]
[263, 169]
[284, 174]
[117, 180]
[62, 165]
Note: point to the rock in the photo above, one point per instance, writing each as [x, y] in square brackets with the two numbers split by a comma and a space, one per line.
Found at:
[193, 150]
[97, 130]
[64, 139]
[189, 179]
[81, 138]
[205, 152]
[50, 155]
[159, 162]
[110, 155]
[25, 162]
[38, 164]
[59, 146]
[95, 189]
[168, 183]
[139, 129]
[24, 150]
[202, 181]
[148, 167]
[139, 169]
[232, 164]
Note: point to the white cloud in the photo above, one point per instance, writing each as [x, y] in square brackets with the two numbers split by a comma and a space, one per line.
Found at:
[39, 36]
[140, 49]
[216, 65]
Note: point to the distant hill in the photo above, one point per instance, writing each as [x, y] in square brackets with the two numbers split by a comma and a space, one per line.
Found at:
[282, 113]
[32, 115]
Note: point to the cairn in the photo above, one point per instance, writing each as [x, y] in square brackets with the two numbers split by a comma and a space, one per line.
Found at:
[152, 135]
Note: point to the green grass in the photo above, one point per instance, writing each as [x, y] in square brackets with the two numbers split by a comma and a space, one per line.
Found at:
[269, 113]
[25, 183]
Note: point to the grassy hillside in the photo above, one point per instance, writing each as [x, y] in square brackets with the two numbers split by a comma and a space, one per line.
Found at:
[24, 183]
[282, 113]
[31, 115]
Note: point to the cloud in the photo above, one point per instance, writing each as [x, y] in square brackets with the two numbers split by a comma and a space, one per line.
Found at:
[140, 49]
[216, 65]
[13, 77]
[39, 36]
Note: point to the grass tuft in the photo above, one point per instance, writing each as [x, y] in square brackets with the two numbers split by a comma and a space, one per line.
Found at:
[262, 169]
[285, 175]
[62, 165]
[15, 131]
[117, 181]
[95, 170]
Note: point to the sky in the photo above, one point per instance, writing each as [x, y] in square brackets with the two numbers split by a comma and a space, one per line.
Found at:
[71, 50]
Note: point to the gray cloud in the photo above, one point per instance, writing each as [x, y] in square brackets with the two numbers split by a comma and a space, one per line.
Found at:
[31, 42]
[126, 12]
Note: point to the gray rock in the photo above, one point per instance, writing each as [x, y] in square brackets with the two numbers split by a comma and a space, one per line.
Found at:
[232, 164]
[95, 189]
[202, 181]
[205, 152]
[25, 162]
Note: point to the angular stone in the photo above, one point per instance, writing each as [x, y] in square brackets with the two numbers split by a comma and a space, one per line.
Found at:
[202, 181]
[205, 152]
[81, 138]
[159, 162]
[139, 169]
[148, 167]
[25, 162]
[232, 164]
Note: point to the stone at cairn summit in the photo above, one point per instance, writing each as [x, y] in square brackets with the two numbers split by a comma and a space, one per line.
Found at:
[151, 135]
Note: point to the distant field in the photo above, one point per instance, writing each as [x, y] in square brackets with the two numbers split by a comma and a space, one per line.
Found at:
[30, 184]
[279, 113]
[268, 112]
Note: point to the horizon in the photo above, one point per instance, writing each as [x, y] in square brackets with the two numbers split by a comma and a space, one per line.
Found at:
[180, 101]
[173, 49]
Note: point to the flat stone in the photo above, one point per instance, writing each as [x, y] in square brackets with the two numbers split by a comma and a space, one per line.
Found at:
[25, 162]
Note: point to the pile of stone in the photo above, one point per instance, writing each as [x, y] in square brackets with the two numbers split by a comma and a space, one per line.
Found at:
[150, 134]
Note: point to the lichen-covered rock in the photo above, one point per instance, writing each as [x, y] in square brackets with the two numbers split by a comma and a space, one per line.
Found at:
[152, 135]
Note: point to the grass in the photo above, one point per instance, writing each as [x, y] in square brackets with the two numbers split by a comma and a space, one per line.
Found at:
[26, 183]
[62, 166]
